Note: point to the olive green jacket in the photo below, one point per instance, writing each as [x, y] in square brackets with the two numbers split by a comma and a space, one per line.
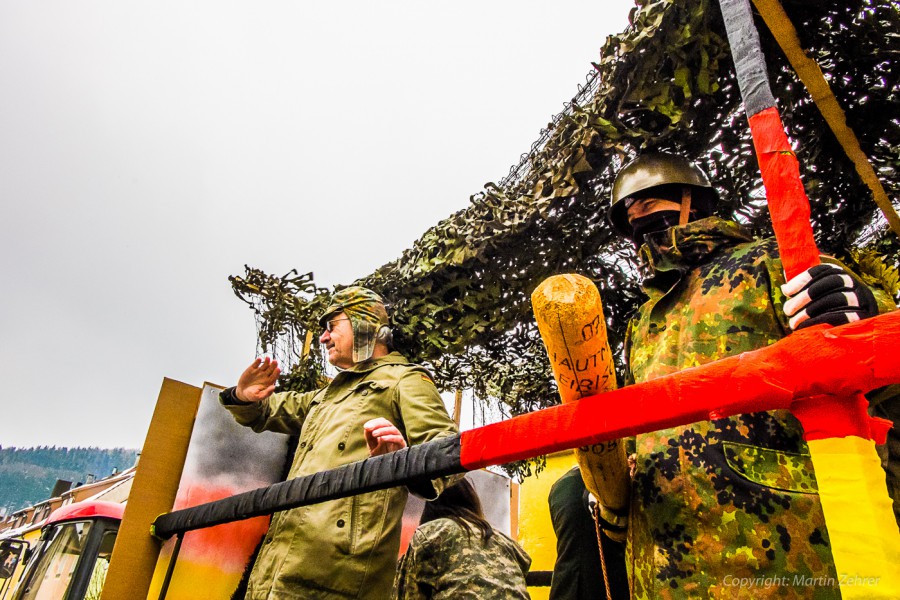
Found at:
[344, 548]
[729, 507]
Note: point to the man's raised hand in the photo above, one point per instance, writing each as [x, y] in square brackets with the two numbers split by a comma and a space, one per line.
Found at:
[257, 382]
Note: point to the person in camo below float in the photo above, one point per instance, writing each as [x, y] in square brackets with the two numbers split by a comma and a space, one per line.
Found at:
[720, 500]
[377, 403]
[455, 554]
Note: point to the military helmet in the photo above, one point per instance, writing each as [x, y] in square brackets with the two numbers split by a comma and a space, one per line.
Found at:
[651, 170]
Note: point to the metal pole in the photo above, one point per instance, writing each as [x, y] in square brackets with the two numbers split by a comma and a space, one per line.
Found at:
[171, 568]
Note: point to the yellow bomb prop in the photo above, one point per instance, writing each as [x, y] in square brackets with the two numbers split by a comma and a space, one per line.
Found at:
[570, 319]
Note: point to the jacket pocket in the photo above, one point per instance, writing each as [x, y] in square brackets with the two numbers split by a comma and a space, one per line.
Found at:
[367, 388]
[785, 471]
[335, 521]
[367, 515]
[373, 399]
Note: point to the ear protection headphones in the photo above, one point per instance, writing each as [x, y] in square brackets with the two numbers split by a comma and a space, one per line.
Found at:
[385, 336]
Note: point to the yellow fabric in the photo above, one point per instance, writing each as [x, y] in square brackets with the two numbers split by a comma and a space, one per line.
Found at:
[535, 526]
[864, 537]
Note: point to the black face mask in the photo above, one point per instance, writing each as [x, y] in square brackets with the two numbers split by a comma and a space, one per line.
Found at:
[656, 221]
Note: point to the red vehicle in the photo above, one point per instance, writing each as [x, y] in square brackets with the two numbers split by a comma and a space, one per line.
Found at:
[70, 560]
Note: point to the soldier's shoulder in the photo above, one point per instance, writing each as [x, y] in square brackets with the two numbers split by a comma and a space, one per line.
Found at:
[439, 527]
[747, 265]
[437, 533]
[756, 249]
[411, 369]
[753, 256]
[391, 365]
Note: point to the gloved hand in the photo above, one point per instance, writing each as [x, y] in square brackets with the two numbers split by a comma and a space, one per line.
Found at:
[826, 293]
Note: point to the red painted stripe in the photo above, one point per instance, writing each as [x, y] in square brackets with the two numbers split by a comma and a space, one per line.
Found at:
[788, 204]
[826, 416]
[842, 361]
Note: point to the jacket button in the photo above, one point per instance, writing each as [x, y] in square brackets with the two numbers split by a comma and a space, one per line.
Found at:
[303, 444]
[341, 446]
[365, 392]
[310, 446]
[340, 523]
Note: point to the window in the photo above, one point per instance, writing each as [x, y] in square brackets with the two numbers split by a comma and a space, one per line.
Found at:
[55, 567]
[101, 565]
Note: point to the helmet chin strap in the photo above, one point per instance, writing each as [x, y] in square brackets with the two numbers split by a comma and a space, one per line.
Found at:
[685, 205]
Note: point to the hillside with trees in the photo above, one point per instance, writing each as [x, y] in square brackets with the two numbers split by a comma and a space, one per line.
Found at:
[27, 475]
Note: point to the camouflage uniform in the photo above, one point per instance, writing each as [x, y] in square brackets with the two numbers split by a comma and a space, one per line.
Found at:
[724, 508]
[446, 561]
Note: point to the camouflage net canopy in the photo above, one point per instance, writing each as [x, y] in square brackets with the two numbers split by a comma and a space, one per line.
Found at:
[460, 296]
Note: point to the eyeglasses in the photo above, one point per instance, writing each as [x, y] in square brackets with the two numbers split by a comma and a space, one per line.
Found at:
[328, 324]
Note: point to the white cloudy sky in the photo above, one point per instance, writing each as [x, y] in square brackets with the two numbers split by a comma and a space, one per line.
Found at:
[150, 150]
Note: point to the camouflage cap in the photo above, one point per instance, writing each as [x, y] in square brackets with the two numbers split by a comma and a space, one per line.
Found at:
[367, 315]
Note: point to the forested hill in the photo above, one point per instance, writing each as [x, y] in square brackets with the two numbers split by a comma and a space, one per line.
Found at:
[27, 475]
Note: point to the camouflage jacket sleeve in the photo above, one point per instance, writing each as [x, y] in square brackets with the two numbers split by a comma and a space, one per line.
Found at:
[410, 570]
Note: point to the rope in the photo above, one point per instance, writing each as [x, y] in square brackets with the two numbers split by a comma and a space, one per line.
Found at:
[595, 513]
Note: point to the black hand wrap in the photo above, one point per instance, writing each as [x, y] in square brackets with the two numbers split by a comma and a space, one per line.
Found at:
[828, 294]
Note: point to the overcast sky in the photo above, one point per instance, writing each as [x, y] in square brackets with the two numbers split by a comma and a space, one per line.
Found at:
[150, 150]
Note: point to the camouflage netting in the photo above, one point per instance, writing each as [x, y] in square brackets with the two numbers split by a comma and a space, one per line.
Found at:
[460, 295]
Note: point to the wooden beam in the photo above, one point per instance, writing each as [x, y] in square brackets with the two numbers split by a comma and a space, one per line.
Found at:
[153, 491]
[811, 76]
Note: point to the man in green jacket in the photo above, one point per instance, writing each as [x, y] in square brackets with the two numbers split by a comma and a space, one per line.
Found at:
[728, 507]
[377, 403]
